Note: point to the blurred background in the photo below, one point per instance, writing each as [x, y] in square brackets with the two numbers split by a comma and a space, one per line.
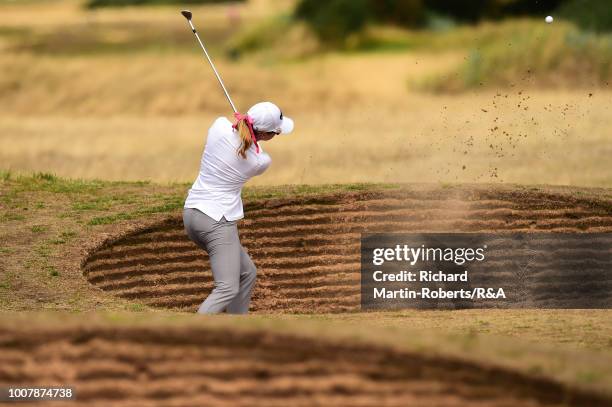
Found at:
[381, 90]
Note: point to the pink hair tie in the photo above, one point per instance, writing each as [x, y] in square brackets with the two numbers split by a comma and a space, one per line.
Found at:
[249, 121]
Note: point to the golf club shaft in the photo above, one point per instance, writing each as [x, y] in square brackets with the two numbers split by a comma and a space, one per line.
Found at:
[212, 66]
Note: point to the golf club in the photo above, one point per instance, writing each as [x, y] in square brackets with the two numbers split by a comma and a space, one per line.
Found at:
[187, 14]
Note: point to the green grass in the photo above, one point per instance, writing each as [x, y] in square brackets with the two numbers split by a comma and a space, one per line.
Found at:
[375, 38]
[526, 53]
[137, 307]
[5, 175]
[48, 182]
[102, 203]
[263, 34]
[45, 176]
[39, 228]
[119, 202]
[52, 183]
[63, 237]
[92, 202]
[11, 217]
[52, 271]
[168, 204]
[512, 52]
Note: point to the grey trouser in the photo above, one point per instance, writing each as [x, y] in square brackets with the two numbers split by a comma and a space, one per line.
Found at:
[232, 268]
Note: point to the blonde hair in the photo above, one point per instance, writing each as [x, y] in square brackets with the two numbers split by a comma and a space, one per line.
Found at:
[245, 136]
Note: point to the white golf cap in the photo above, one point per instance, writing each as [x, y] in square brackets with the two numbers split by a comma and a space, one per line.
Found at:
[268, 117]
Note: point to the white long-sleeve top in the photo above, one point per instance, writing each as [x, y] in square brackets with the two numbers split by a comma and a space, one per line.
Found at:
[217, 190]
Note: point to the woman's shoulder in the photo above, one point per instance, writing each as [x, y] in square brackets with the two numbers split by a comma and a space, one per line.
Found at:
[222, 123]
[221, 128]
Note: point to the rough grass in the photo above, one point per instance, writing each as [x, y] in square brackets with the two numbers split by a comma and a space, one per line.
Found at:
[144, 115]
[40, 255]
[585, 368]
[516, 135]
[62, 218]
[524, 51]
[532, 54]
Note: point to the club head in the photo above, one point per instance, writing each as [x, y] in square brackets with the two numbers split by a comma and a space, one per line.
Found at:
[187, 14]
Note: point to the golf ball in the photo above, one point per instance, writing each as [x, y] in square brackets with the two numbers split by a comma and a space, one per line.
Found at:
[549, 19]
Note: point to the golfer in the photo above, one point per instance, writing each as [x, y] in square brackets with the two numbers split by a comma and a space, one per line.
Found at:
[232, 156]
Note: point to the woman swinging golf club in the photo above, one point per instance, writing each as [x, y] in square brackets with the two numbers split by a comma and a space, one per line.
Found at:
[231, 157]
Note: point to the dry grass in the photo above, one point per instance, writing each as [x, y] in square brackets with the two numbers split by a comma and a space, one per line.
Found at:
[528, 53]
[421, 139]
[582, 328]
[144, 115]
[61, 12]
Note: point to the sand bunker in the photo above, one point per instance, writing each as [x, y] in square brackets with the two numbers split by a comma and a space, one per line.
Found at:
[201, 366]
[308, 250]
